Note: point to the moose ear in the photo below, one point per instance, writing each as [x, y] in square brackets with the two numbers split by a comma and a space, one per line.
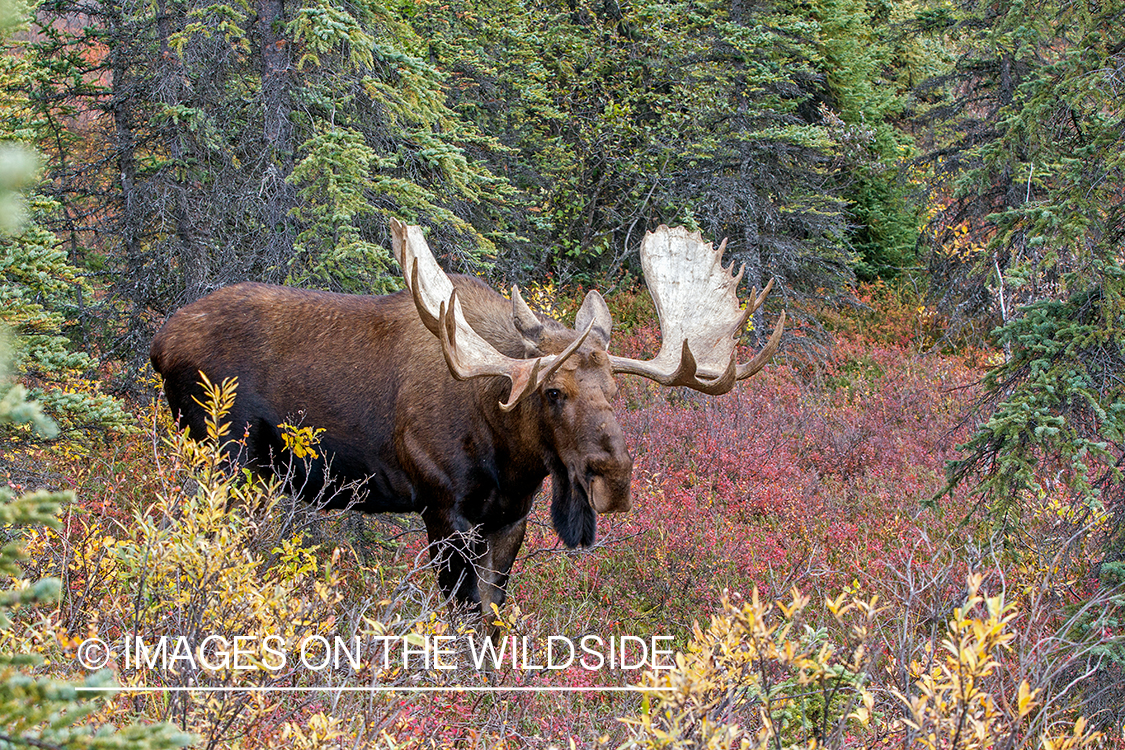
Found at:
[595, 309]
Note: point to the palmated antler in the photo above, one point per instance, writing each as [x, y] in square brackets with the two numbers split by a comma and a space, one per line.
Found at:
[700, 317]
[467, 354]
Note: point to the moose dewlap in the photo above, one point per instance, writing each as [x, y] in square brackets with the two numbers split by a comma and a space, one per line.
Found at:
[449, 400]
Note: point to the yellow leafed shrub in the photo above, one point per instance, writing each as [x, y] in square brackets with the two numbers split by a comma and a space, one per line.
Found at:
[215, 599]
[760, 676]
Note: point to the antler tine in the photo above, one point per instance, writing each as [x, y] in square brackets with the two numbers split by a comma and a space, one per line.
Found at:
[755, 302]
[762, 357]
[686, 375]
[536, 378]
[476, 357]
[466, 353]
[697, 303]
[427, 317]
[447, 334]
[397, 231]
[741, 271]
[761, 296]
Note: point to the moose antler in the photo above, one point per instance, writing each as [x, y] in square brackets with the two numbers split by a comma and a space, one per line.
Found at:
[467, 354]
[700, 317]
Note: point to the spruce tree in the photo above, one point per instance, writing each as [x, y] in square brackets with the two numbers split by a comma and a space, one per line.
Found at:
[38, 712]
[41, 292]
[233, 142]
[617, 117]
[860, 102]
[1033, 235]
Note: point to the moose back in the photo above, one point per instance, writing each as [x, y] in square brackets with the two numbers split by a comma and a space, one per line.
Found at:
[449, 400]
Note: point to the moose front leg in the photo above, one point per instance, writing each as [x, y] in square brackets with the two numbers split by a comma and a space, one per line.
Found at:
[495, 566]
[455, 553]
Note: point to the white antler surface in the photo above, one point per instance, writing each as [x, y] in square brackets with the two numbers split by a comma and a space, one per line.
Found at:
[466, 353]
[700, 316]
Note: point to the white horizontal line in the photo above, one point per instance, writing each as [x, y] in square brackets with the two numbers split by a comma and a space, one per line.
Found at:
[380, 689]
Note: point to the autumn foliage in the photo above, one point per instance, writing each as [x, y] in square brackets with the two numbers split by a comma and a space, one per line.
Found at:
[781, 542]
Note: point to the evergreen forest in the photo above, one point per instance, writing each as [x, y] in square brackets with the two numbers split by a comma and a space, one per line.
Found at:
[907, 531]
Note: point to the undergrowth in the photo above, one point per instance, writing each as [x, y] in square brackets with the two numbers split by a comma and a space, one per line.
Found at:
[779, 542]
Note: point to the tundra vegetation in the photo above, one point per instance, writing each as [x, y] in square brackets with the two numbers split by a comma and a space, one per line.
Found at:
[906, 531]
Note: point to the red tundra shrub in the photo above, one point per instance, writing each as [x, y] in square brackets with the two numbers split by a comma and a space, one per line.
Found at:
[791, 477]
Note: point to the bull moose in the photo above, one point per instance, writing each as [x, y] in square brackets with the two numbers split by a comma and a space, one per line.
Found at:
[449, 400]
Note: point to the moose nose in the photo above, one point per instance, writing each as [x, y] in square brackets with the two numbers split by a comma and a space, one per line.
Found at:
[610, 494]
[610, 476]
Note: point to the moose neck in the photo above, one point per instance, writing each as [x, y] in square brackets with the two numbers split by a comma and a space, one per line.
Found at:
[519, 441]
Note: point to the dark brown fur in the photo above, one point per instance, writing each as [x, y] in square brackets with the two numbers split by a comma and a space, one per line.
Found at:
[401, 434]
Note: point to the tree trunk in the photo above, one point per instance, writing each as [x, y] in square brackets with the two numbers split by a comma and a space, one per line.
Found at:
[121, 105]
[278, 197]
[193, 254]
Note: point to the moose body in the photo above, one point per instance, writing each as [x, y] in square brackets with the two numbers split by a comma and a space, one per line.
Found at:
[445, 399]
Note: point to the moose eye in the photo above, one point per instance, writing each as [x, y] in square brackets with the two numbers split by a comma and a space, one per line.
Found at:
[554, 395]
